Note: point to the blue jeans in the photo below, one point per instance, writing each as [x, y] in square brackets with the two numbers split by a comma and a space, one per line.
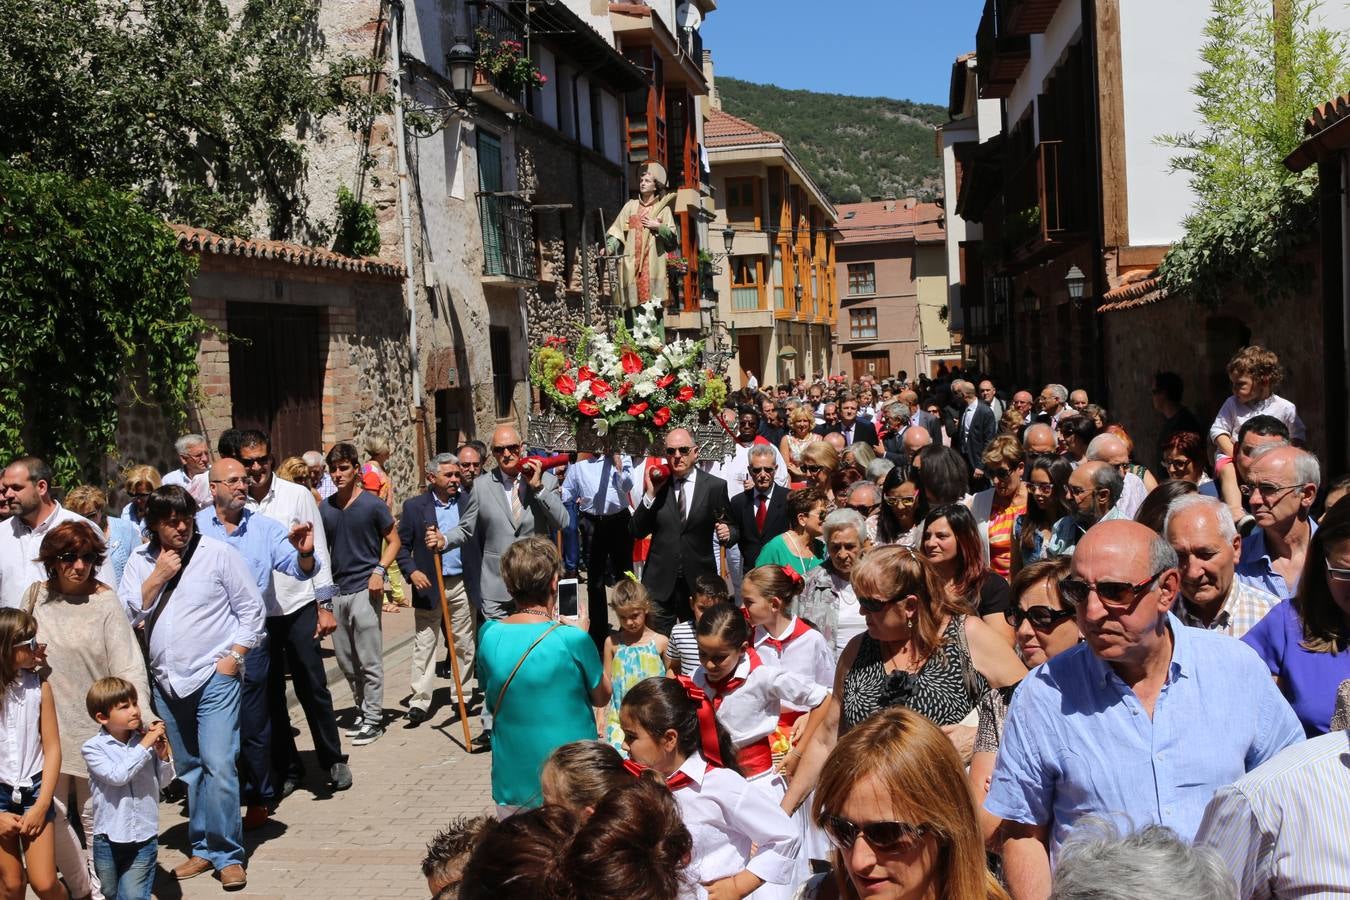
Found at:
[571, 539]
[125, 871]
[203, 731]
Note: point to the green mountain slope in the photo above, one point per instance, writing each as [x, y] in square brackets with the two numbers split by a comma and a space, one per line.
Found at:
[854, 147]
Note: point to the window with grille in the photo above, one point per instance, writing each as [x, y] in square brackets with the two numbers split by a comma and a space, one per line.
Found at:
[862, 278]
[862, 323]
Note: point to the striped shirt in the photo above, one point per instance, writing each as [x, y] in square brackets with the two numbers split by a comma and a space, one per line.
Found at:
[1001, 539]
[1283, 829]
[682, 651]
[1244, 606]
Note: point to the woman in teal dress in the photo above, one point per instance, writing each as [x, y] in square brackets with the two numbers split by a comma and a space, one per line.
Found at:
[558, 677]
[800, 546]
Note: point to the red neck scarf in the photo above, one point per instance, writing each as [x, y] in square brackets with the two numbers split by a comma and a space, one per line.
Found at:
[674, 781]
[799, 628]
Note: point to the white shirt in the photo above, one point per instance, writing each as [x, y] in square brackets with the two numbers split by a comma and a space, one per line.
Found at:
[1233, 414]
[1131, 495]
[751, 712]
[726, 817]
[19, 546]
[734, 469]
[199, 485]
[21, 758]
[216, 605]
[284, 501]
[807, 656]
[686, 487]
[598, 487]
[124, 784]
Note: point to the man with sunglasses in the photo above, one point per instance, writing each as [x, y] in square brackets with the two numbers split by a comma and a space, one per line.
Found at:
[1280, 488]
[1202, 531]
[1094, 489]
[25, 490]
[735, 470]
[760, 513]
[1140, 724]
[682, 514]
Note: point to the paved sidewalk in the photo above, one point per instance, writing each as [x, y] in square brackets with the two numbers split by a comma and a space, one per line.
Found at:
[368, 841]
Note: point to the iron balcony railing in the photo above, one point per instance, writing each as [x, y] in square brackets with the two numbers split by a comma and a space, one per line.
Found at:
[492, 25]
[508, 236]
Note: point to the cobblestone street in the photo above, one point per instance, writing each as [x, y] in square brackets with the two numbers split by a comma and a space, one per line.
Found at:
[368, 841]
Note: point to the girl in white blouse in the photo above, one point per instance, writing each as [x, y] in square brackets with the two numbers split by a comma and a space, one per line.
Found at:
[30, 759]
[669, 731]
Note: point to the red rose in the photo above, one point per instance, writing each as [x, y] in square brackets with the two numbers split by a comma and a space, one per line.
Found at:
[661, 416]
[631, 362]
[585, 374]
[600, 387]
[565, 384]
[665, 381]
[588, 408]
[685, 394]
[637, 409]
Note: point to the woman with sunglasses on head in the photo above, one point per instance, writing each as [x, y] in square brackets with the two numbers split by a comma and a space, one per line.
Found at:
[997, 508]
[1047, 502]
[1045, 627]
[892, 801]
[921, 650]
[87, 637]
[1305, 640]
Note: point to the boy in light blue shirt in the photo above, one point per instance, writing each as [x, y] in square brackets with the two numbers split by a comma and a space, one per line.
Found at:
[128, 767]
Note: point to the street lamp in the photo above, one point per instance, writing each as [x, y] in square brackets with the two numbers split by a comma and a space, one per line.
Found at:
[1074, 280]
[728, 238]
[461, 62]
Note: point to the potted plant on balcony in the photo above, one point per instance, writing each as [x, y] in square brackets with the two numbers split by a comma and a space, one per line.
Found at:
[676, 264]
[506, 62]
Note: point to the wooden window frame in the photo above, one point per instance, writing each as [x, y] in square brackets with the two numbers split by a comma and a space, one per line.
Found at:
[861, 266]
[860, 320]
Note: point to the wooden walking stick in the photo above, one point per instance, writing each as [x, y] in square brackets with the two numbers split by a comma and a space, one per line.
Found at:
[454, 658]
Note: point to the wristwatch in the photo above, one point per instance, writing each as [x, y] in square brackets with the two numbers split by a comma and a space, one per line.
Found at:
[309, 555]
[384, 573]
[326, 605]
[238, 661]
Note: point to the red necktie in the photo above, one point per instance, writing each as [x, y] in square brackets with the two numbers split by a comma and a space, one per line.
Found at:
[799, 628]
[761, 514]
[673, 782]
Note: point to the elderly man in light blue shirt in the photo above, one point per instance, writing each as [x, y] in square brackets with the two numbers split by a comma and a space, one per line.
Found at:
[1140, 724]
[600, 487]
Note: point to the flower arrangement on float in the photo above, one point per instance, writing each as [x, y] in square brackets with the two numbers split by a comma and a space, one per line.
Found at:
[633, 376]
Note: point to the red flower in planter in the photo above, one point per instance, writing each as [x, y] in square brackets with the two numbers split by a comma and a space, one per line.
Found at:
[565, 384]
[661, 416]
[585, 374]
[600, 387]
[637, 409]
[588, 408]
[665, 381]
[625, 388]
[685, 394]
[631, 362]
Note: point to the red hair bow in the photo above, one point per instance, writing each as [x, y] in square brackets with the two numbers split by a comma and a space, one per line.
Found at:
[793, 575]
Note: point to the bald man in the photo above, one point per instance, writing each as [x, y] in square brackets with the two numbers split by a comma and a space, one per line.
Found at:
[1140, 724]
[1113, 451]
[1039, 438]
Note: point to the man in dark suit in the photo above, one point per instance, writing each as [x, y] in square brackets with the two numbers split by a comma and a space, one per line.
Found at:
[848, 424]
[427, 519]
[682, 514]
[975, 428]
[760, 513]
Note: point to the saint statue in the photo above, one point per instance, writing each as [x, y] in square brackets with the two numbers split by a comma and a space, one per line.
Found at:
[643, 234]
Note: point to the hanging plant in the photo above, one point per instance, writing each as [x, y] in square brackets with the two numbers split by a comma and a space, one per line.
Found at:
[507, 63]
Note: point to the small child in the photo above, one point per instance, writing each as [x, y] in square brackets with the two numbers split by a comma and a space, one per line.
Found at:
[1255, 373]
[743, 843]
[128, 766]
[28, 772]
[682, 654]
[448, 852]
[633, 653]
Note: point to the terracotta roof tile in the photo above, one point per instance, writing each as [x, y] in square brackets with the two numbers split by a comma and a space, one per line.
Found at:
[890, 220]
[1327, 114]
[1140, 288]
[199, 240]
[725, 130]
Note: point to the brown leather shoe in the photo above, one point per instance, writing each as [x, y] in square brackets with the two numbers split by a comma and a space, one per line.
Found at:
[232, 878]
[255, 817]
[192, 868]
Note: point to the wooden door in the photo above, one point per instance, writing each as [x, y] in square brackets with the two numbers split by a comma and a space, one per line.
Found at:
[276, 374]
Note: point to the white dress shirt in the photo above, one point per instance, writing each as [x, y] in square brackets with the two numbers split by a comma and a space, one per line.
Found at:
[686, 486]
[124, 784]
[199, 485]
[19, 546]
[807, 656]
[726, 817]
[1131, 495]
[216, 605]
[598, 487]
[285, 501]
[21, 757]
[750, 713]
[734, 469]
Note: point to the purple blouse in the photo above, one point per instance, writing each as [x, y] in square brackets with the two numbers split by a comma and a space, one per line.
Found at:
[1308, 680]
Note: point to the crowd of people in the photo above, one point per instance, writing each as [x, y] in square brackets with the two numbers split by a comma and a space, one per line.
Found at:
[903, 639]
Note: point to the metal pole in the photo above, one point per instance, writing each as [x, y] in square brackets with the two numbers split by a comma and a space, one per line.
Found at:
[454, 658]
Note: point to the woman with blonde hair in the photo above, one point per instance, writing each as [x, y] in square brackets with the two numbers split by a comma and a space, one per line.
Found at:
[800, 422]
[996, 508]
[139, 482]
[295, 470]
[819, 463]
[893, 801]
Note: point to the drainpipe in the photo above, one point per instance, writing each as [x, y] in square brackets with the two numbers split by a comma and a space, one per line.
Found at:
[405, 219]
[1099, 280]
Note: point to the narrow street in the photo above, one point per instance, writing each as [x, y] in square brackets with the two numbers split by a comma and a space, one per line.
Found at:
[368, 841]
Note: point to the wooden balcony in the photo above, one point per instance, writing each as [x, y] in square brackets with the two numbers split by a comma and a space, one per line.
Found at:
[1043, 208]
[1000, 57]
[1027, 16]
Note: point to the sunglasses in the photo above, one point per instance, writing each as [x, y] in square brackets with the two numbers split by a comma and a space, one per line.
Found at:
[256, 463]
[873, 605]
[140, 495]
[999, 474]
[812, 469]
[863, 509]
[31, 645]
[70, 558]
[679, 451]
[1177, 464]
[760, 470]
[1114, 595]
[1042, 618]
[884, 837]
[513, 449]
[1336, 574]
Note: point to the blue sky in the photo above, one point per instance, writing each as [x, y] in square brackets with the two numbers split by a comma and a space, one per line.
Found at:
[889, 48]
